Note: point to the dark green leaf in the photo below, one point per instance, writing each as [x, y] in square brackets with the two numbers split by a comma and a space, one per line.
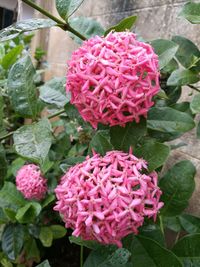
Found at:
[67, 7]
[3, 164]
[28, 213]
[100, 143]
[49, 199]
[34, 141]
[12, 240]
[122, 138]
[153, 152]
[154, 232]
[182, 77]
[172, 223]
[86, 243]
[191, 12]
[165, 49]
[123, 25]
[71, 161]
[86, 26]
[177, 186]
[198, 130]
[14, 30]
[190, 223]
[46, 236]
[169, 120]
[10, 197]
[10, 58]
[31, 250]
[44, 264]
[195, 104]
[21, 88]
[58, 231]
[188, 249]
[188, 53]
[147, 252]
[54, 92]
[183, 107]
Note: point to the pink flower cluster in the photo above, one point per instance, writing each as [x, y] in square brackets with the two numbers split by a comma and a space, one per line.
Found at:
[112, 79]
[106, 198]
[30, 182]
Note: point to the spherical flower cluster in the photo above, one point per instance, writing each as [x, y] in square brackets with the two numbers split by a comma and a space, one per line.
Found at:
[112, 79]
[106, 198]
[30, 182]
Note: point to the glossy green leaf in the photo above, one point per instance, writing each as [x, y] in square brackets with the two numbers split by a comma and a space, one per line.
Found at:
[153, 152]
[165, 50]
[165, 119]
[21, 88]
[10, 197]
[122, 138]
[10, 58]
[188, 53]
[147, 252]
[183, 107]
[87, 27]
[29, 212]
[48, 200]
[3, 164]
[34, 141]
[172, 223]
[46, 236]
[108, 257]
[44, 264]
[86, 243]
[188, 250]
[191, 12]
[154, 232]
[177, 186]
[53, 92]
[182, 77]
[100, 142]
[190, 223]
[58, 231]
[28, 25]
[67, 7]
[123, 25]
[12, 240]
[195, 104]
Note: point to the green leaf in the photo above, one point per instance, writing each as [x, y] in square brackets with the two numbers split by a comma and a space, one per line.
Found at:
[165, 49]
[67, 7]
[190, 223]
[12, 240]
[53, 92]
[122, 138]
[28, 25]
[169, 120]
[15, 166]
[182, 77]
[3, 164]
[21, 88]
[10, 58]
[183, 107]
[28, 213]
[71, 161]
[154, 232]
[177, 186]
[195, 104]
[198, 130]
[147, 252]
[188, 249]
[31, 250]
[153, 152]
[10, 214]
[44, 264]
[86, 26]
[172, 223]
[86, 243]
[46, 236]
[107, 257]
[58, 231]
[191, 12]
[49, 199]
[34, 141]
[187, 52]
[100, 143]
[10, 197]
[123, 25]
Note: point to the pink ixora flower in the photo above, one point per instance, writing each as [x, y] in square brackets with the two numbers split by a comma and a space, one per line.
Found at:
[112, 79]
[107, 198]
[30, 183]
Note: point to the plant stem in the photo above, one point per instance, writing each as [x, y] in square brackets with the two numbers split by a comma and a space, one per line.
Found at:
[81, 256]
[177, 238]
[6, 136]
[60, 23]
[161, 225]
[193, 87]
[56, 114]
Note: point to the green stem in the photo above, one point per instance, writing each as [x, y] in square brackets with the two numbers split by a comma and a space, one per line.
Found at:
[177, 238]
[81, 256]
[56, 114]
[193, 87]
[161, 225]
[60, 23]
[6, 136]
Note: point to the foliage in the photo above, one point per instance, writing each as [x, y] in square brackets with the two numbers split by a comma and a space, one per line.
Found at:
[28, 227]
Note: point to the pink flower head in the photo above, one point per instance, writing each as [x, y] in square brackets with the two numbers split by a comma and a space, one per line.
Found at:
[30, 182]
[107, 198]
[112, 79]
